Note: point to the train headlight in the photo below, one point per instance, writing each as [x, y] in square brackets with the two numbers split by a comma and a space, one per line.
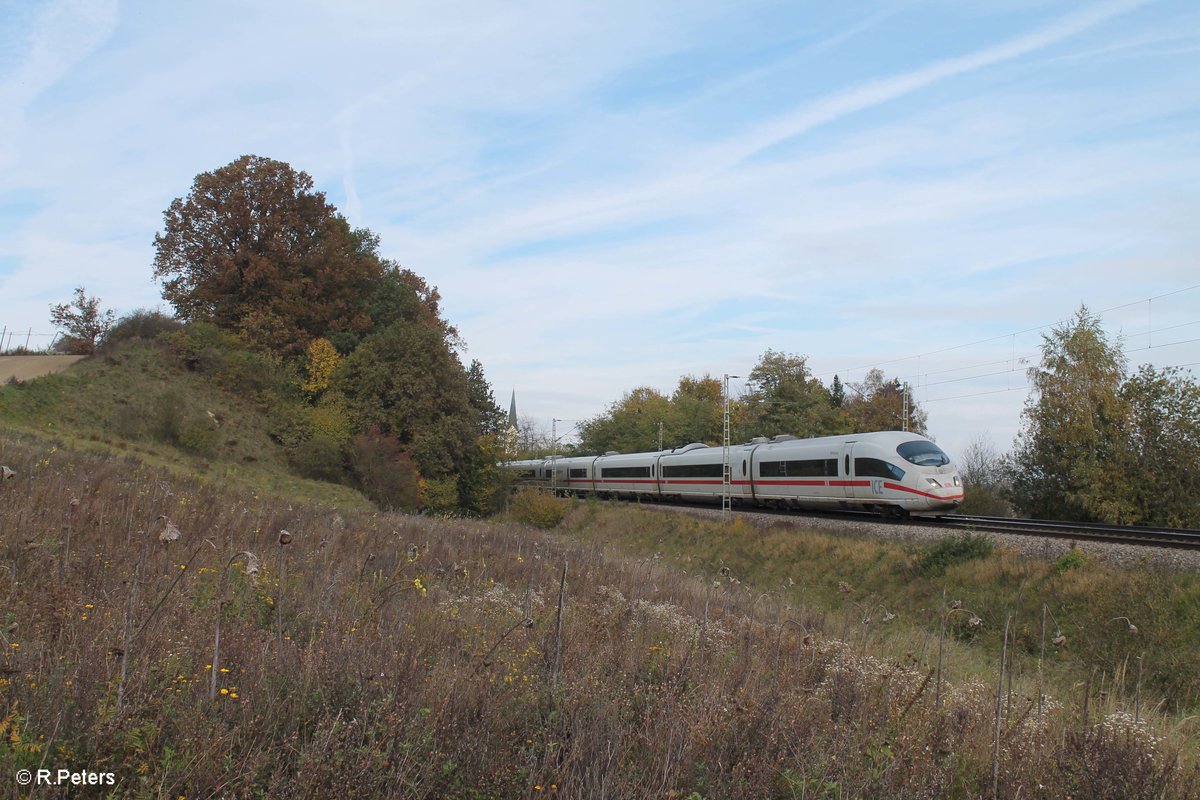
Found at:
[934, 483]
[957, 482]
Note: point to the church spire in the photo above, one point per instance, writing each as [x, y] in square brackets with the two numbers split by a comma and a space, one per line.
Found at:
[512, 411]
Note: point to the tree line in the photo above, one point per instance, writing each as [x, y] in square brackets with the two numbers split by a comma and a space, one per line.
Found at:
[781, 396]
[1098, 442]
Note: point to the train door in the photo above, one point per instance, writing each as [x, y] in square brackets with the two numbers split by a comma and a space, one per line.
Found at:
[847, 470]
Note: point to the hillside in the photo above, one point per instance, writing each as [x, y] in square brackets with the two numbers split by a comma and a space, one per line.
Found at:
[138, 398]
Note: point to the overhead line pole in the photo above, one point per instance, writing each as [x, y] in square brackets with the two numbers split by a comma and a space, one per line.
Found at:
[726, 473]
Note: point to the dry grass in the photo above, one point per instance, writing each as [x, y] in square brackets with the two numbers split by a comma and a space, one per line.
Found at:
[408, 657]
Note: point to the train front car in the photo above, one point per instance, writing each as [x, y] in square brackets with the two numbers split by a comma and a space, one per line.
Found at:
[901, 473]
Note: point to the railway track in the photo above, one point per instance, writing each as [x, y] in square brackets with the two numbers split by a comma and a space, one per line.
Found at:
[1184, 538]
[1180, 538]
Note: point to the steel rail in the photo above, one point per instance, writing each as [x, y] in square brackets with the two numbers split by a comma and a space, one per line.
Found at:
[1185, 538]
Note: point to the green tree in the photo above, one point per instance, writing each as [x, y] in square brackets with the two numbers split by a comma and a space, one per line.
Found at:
[254, 249]
[1071, 458]
[784, 397]
[877, 404]
[1164, 444]
[82, 322]
[628, 426]
[695, 412]
[407, 381]
[492, 419]
[837, 392]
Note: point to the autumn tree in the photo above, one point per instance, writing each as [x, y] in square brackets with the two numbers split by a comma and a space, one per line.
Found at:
[83, 323]
[323, 359]
[1071, 457]
[877, 404]
[254, 249]
[784, 398]
[696, 411]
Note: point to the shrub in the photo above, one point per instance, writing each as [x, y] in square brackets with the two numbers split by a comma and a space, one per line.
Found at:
[168, 417]
[951, 550]
[383, 471]
[140, 324]
[198, 434]
[319, 458]
[1069, 560]
[985, 501]
[537, 508]
[200, 346]
[440, 496]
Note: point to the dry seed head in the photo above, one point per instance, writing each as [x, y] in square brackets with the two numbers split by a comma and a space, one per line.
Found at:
[169, 533]
[1059, 639]
[844, 587]
[974, 621]
[285, 537]
[74, 502]
[6, 473]
[251, 562]
[955, 604]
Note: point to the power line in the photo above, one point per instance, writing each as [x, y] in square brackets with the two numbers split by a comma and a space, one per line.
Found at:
[1013, 334]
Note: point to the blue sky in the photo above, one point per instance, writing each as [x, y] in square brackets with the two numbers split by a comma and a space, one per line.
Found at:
[613, 195]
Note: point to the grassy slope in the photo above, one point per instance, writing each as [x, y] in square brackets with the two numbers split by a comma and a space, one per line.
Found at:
[389, 656]
[850, 579]
[123, 402]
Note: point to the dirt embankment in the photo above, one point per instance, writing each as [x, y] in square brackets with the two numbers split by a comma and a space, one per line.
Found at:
[25, 367]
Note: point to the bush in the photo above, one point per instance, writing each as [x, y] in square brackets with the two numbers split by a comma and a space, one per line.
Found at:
[1069, 560]
[986, 501]
[318, 458]
[200, 346]
[952, 550]
[538, 508]
[383, 471]
[140, 324]
[198, 434]
[168, 417]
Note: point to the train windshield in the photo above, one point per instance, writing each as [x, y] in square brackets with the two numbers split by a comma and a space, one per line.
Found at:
[923, 454]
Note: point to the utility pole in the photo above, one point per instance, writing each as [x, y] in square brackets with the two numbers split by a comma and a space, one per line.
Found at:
[553, 456]
[726, 473]
[905, 410]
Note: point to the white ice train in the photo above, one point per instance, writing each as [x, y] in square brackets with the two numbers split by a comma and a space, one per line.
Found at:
[889, 472]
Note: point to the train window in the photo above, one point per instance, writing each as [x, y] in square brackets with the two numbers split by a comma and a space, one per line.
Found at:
[579, 473]
[847, 466]
[809, 468]
[876, 468]
[625, 472]
[923, 454]
[743, 467]
[692, 470]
